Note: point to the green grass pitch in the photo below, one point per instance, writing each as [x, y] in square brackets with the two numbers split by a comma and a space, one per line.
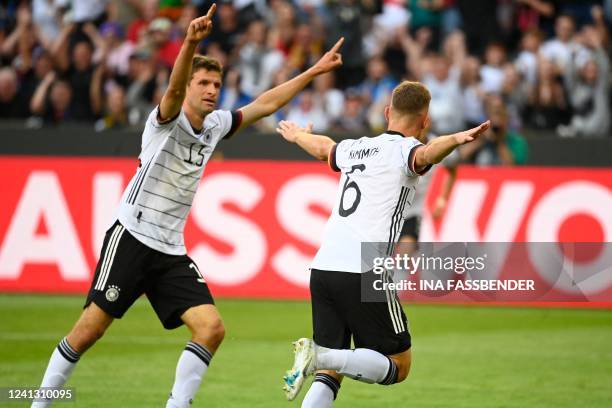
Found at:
[462, 356]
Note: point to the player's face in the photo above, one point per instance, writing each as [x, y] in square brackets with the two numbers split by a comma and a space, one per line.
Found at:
[203, 90]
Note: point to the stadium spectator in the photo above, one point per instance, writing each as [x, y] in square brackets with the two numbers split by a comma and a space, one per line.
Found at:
[330, 97]
[479, 22]
[527, 59]
[353, 118]
[34, 67]
[514, 92]
[114, 115]
[137, 29]
[347, 19]
[471, 94]
[500, 145]
[559, 49]
[378, 82]
[587, 82]
[145, 86]
[85, 11]
[8, 93]
[117, 51]
[446, 96]
[45, 15]
[77, 66]
[427, 14]
[309, 111]
[227, 30]
[492, 72]
[546, 105]
[305, 49]
[533, 14]
[258, 61]
[159, 38]
[260, 41]
[52, 100]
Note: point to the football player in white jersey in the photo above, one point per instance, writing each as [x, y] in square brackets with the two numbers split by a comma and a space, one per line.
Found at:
[144, 251]
[377, 184]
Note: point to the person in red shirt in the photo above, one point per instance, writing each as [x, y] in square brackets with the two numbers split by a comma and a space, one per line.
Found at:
[165, 49]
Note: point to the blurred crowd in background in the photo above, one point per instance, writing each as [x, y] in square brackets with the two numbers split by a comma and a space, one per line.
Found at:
[540, 64]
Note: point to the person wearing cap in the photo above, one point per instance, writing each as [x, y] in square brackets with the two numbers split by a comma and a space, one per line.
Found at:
[166, 49]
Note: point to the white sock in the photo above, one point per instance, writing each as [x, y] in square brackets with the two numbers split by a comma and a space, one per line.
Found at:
[62, 363]
[360, 364]
[190, 369]
[322, 392]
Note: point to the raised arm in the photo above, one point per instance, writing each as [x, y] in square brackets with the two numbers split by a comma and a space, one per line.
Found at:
[172, 100]
[37, 103]
[318, 146]
[270, 101]
[440, 147]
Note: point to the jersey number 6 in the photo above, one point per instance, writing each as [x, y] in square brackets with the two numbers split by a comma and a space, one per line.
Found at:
[348, 184]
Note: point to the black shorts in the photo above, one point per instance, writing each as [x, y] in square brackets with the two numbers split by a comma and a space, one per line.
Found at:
[338, 313]
[411, 227]
[128, 268]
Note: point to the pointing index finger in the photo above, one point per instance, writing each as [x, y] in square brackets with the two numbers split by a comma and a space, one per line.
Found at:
[211, 10]
[337, 46]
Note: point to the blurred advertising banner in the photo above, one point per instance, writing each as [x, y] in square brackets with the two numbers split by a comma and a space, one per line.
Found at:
[255, 225]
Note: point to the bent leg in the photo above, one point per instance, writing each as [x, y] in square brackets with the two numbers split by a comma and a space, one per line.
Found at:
[360, 364]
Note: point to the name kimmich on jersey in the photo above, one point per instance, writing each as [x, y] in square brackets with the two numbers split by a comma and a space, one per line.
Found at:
[376, 188]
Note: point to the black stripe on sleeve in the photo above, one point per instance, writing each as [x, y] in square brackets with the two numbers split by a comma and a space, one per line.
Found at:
[331, 158]
[161, 121]
[411, 159]
[236, 122]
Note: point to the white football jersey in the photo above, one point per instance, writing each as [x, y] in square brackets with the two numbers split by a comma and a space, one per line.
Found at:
[376, 187]
[155, 204]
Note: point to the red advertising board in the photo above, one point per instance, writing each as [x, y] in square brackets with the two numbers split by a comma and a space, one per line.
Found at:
[255, 225]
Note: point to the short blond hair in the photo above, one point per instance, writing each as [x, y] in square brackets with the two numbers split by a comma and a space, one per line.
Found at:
[410, 98]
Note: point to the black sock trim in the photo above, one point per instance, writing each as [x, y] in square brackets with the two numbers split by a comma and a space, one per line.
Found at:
[328, 380]
[391, 377]
[200, 351]
[67, 351]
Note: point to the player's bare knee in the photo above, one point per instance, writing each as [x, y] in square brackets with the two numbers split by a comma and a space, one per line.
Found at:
[209, 332]
[217, 331]
[402, 373]
[402, 361]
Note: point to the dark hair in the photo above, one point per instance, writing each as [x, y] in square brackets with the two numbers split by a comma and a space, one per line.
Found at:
[207, 63]
[410, 98]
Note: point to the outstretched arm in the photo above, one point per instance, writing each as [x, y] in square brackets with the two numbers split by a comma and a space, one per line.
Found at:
[270, 101]
[172, 100]
[318, 146]
[440, 147]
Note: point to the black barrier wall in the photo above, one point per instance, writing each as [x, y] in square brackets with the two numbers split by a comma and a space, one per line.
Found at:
[81, 140]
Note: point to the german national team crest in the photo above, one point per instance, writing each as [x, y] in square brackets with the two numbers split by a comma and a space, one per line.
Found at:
[112, 293]
[207, 136]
